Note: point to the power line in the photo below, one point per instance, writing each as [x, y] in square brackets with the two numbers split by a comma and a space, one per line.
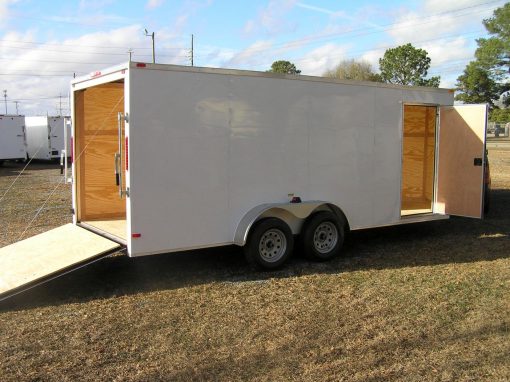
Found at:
[358, 52]
[286, 44]
[79, 45]
[34, 99]
[372, 30]
[35, 75]
[15, 59]
[99, 53]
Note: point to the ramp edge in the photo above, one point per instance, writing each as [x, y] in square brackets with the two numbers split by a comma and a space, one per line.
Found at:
[59, 273]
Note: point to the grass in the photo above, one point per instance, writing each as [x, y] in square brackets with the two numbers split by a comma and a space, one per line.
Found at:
[409, 303]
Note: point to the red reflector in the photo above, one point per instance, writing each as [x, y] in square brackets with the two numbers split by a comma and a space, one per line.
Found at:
[95, 74]
[72, 150]
[135, 235]
[140, 65]
[127, 156]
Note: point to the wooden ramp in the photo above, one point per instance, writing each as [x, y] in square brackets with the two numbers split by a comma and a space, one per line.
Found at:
[43, 257]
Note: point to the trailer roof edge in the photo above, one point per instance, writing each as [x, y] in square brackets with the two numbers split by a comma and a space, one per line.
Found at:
[247, 73]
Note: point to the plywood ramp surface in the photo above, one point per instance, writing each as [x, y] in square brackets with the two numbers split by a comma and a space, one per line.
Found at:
[113, 227]
[46, 254]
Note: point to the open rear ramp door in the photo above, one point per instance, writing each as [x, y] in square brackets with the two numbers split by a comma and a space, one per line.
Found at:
[461, 160]
[43, 257]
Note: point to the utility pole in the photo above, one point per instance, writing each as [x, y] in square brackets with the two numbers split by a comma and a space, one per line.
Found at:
[16, 103]
[5, 100]
[130, 51]
[60, 104]
[192, 50]
[153, 45]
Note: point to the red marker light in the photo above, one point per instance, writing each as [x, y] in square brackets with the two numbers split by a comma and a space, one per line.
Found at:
[141, 65]
[136, 235]
[95, 74]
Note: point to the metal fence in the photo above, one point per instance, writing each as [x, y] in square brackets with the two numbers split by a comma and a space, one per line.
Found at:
[498, 130]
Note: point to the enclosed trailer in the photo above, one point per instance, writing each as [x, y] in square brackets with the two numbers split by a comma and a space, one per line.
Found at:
[12, 137]
[170, 158]
[46, 136]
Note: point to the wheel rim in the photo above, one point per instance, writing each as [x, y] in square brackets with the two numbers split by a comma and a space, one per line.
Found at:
[325, 237]
[272, 245]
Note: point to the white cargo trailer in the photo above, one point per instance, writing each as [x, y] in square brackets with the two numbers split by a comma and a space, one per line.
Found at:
[46, 136]
[12, 137]
[171, 158]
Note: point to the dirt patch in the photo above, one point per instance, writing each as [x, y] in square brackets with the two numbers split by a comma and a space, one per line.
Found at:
[411, 303]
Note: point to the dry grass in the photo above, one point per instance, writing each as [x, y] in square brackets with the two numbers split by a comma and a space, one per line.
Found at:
[410, 303]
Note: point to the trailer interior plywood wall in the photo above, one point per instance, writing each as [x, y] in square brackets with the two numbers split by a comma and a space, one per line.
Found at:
[418, 159]
[96, 143]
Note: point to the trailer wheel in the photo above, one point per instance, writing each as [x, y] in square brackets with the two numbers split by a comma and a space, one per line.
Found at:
[269, 244]
[323, 236]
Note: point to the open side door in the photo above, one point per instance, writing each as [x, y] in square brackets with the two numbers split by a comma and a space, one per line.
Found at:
[46, 256]
[461, 160]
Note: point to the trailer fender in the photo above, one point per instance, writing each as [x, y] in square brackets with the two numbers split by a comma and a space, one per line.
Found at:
[294, 214]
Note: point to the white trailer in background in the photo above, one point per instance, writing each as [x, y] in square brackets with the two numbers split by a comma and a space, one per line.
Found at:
[171, 158]
[12, 138]
[46, 136]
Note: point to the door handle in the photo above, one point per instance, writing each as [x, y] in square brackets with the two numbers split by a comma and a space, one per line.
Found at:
[477, 162]
[62, 159]
[117, 174]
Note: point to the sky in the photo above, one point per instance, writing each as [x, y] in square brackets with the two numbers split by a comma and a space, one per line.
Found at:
[43, 44]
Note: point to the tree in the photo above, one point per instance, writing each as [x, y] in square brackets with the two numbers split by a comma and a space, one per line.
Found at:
[494, 53]
[407, 65]
[500, 115]
[353, 70]
[475, 85]
[486, 78]
[285, 67]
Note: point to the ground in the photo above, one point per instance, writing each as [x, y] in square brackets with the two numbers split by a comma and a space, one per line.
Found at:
[411, 303]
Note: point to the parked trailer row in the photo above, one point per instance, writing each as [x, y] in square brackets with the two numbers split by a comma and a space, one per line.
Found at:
[12, 138]
[172, 158]
[46, 136]
[34, 137]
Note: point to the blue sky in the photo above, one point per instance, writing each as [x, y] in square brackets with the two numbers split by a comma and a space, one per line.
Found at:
[42, 43]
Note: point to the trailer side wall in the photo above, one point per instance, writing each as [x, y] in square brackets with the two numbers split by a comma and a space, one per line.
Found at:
[205, 148]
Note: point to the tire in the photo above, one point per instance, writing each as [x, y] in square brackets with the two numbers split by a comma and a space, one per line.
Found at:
[269, 244]
[322, 236]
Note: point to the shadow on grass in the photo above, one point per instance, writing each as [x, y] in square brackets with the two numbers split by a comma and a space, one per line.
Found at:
[12, 168]
[457, 240]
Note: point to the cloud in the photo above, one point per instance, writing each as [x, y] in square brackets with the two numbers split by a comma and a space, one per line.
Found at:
[94, 4]
[33, 72]
[271, 19]
[320, 59]
[4, 10]
[372, 57]
[436, 19]
[318, 9]
[439, 6]
[256, 54]
[338, 14]
[152, 4]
